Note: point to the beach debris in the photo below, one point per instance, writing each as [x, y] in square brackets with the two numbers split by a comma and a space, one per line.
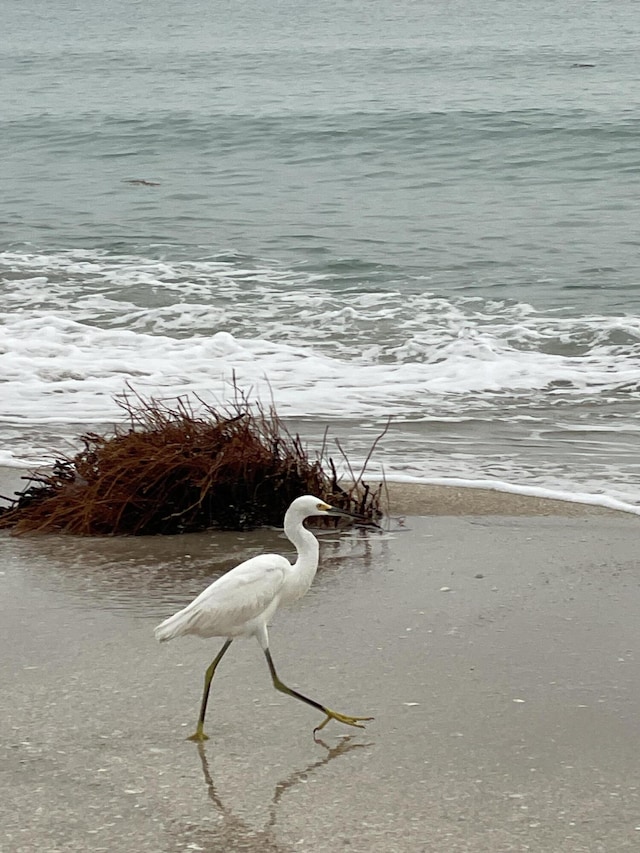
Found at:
[140, 182]
[445, 589]
[171, 469]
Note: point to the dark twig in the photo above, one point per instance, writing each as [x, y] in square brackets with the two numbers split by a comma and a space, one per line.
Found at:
[167, 469]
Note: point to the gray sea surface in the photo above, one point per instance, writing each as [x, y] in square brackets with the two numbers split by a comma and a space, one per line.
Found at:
[427, 211]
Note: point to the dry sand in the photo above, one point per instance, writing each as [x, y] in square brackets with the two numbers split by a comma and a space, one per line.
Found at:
[498, 654]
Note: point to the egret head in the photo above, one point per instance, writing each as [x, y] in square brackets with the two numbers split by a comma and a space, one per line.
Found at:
[308, 505]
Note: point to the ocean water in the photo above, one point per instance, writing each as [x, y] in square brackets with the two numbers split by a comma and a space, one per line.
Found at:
[422, 211]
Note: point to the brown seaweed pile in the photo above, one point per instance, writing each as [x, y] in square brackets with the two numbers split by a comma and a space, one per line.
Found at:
[168, 470]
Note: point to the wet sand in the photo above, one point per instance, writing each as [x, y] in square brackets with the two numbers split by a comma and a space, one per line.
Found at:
[498, 654]
[417, 499]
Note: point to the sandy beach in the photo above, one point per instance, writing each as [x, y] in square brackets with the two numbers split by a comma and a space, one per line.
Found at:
[495, 643]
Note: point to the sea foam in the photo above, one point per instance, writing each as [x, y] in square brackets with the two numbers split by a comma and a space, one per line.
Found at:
[474, 386]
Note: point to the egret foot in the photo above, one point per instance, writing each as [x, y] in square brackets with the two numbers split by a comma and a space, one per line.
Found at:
[198, 736]
[341, 718]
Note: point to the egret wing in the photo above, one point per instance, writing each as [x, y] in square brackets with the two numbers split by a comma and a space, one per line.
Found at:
[230, 602]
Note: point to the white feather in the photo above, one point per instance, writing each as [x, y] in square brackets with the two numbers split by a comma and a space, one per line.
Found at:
[229, 606]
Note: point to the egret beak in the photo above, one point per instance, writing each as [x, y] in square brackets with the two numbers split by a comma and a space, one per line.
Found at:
[333, 510]
[355, 517]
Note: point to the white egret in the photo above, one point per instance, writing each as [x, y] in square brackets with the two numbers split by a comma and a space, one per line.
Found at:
[242, 602]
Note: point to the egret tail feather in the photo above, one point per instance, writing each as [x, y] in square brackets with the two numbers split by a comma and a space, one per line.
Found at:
[174, 626]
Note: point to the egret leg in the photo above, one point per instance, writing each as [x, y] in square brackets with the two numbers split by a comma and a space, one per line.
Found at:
[199, 734]
[331, 715]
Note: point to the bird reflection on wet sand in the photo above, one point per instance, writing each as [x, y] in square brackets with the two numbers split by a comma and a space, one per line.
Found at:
[234, 833]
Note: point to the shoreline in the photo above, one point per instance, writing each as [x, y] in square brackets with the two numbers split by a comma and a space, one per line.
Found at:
[422, 499]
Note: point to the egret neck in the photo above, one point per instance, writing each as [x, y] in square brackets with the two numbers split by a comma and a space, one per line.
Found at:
[304, 569]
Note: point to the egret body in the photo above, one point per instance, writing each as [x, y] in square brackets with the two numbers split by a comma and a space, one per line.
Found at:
[242, 602]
